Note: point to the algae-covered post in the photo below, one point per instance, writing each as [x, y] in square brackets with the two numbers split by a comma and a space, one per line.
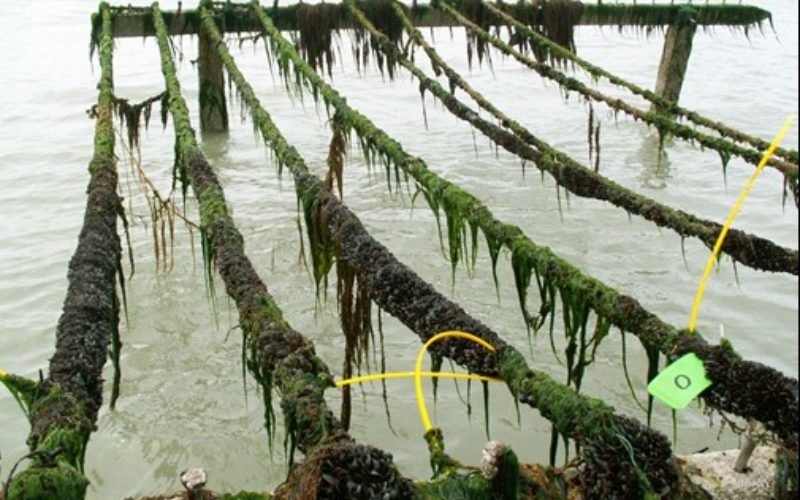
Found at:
[63, 407]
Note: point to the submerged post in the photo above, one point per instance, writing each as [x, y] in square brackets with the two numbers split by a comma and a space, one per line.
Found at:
[213, 110]
[675, 56]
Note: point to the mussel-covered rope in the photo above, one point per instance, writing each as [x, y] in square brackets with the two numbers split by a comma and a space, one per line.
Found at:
[63, 407]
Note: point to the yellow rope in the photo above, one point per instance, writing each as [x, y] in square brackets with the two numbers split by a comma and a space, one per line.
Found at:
[388, 375]
[423, 411]
[3, 374]
[732, 215]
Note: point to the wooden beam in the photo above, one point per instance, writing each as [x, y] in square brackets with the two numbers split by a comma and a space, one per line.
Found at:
[137, 21]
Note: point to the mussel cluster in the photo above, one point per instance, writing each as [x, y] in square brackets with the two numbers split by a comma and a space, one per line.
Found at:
[750, 390]
[345, 469]
[746, 388]
[628, 463]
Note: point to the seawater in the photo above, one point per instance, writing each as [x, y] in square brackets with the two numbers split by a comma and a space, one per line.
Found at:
[184, 401]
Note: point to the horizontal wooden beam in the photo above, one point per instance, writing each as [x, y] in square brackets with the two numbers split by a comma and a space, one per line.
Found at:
[138, 21]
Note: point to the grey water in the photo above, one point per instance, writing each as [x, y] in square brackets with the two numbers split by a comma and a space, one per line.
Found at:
[183, 400]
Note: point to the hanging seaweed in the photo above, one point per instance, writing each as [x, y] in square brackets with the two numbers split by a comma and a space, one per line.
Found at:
[336, 153]
[476, 47]
[627, 374]
[593, 139]
[355, 316]
[597, 147]
[163, 214]
[384, 390]
[582, 181]
[318, 24]
[364, 47]
[130, 115]
[557, 19]
[589, 130]
[653, 357]
[320, 246]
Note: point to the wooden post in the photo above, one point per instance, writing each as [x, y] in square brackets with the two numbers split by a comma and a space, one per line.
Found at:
[213, 108]
[674, 60]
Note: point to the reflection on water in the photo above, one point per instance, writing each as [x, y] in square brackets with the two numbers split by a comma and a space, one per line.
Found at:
[184, 402]
[653, 162]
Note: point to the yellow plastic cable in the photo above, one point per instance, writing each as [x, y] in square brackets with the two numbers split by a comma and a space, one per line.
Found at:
[3, 373]
[388, 375]
[423, 411]
[732, 215]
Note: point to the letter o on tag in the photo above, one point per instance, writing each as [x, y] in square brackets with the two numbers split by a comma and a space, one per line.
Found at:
[683, 382]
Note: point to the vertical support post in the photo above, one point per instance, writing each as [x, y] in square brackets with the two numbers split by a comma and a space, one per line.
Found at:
[213, 108]
[675, 59]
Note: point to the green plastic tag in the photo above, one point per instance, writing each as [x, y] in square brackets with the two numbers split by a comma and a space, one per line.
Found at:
[679, 383]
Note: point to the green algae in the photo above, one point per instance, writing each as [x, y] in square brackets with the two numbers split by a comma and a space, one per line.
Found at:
[59, 480]
[24, 391]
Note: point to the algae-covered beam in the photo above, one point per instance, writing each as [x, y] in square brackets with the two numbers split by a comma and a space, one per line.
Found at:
[663, 123]
[527, 257]
[137, 21]
[547, 46]
[276, 354]
[62, 409]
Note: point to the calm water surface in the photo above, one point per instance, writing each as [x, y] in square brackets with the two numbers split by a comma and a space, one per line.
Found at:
[183, 402]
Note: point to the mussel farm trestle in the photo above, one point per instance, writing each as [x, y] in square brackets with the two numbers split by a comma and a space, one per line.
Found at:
[595, 450]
